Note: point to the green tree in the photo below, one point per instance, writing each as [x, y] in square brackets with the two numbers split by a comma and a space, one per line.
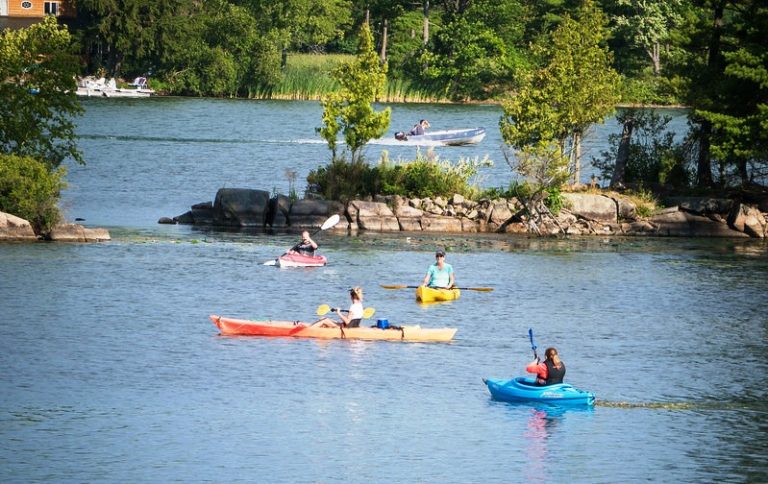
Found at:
[575, 88]
[467, 60]
[131, 35]
[350, 110]
[649, 23]
[225, 54]
[30, 189]
[37, 89]
[733, 109]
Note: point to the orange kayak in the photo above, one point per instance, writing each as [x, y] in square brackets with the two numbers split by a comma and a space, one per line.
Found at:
[298, 329]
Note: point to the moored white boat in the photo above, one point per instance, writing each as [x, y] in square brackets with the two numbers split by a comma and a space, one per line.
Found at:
[89, 87]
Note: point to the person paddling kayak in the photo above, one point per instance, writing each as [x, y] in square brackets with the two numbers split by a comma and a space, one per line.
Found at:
[306, 246]
[440, 274]
[550, 371]
[354, 314]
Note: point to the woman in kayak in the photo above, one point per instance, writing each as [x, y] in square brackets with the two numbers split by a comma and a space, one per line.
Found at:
[307, 246]
[550, 371]
[354, 313]
[440, 274]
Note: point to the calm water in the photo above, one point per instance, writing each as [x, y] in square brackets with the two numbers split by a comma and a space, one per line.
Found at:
[111, 371]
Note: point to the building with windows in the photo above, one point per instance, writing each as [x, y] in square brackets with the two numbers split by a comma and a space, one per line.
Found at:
[37, 8]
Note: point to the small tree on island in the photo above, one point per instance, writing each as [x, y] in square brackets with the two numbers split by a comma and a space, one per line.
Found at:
[350, 110]
[576, 88]
[37, 131]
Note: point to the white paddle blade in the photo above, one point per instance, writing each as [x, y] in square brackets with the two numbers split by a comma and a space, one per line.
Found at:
[332, 220]
[272, 262]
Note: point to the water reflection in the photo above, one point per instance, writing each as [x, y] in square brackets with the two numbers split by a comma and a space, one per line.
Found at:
[546, 427]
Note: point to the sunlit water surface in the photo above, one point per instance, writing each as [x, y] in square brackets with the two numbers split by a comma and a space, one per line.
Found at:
[110, 369]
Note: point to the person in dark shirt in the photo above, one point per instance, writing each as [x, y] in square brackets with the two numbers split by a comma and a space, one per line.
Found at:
[550, 371]
[307, 246]
[420, 128]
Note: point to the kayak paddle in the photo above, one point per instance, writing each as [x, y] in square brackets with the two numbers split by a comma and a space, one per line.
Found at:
[533, 344]
[403, 286]
[332, 220]
[324, 309]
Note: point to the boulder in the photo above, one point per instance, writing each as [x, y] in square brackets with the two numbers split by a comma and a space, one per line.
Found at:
[701, 205]
[626, 208]
[279, 210]
[15, 228]
[308, 213]
[373, 216]
[77, 233]
[500, 212]
[409, 224]
[202, 213]
[684, 224]
[240, 207]
[747, 219]
[441, 224]
[598, 208]
[185, 218]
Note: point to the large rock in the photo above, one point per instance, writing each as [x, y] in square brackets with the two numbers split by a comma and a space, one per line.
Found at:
[240, 207]
[77, 233]
[701, 205]
[202, 213]
[15, 228]
[308, 213]
[408, 217]
[441, 224]
[500, 212]
[747, 219]
[279, 210]
[626, 208]
[598, 208]
[684, 224]
[373, 216]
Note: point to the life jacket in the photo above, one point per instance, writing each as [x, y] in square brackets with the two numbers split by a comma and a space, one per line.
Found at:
[305, 249]
[554, 375]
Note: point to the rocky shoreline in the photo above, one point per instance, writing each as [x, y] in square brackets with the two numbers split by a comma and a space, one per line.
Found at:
[584, 214]
[17, 229]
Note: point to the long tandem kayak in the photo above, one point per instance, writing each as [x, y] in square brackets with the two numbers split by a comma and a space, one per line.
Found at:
[522, 389]
[298, 329]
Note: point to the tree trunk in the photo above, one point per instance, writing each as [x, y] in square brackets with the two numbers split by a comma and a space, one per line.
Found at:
[715, 68]
[576, 157]
[655, 54]
[704, 162]
[426, 21]
[622, 156]
[384, 42]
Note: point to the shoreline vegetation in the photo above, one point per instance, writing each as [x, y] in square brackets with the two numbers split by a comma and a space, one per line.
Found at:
[309, 77]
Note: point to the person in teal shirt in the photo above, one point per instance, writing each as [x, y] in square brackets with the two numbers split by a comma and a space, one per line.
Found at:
[440, 274]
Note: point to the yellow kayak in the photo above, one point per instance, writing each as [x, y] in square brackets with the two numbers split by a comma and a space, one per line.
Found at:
[427, 294]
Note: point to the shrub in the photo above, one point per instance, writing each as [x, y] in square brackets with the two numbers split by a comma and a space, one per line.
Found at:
[424, 177]
[30, 191]
[428, 176]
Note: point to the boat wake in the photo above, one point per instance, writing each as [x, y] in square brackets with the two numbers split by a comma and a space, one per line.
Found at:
[704, 405]
[160, 139]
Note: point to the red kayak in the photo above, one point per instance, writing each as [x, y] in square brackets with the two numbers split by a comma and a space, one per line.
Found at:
[298, 260]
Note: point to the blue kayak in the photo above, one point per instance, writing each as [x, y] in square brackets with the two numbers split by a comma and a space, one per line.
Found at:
[523, 389]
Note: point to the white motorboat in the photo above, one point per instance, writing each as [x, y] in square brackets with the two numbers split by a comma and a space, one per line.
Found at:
[450, 137]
